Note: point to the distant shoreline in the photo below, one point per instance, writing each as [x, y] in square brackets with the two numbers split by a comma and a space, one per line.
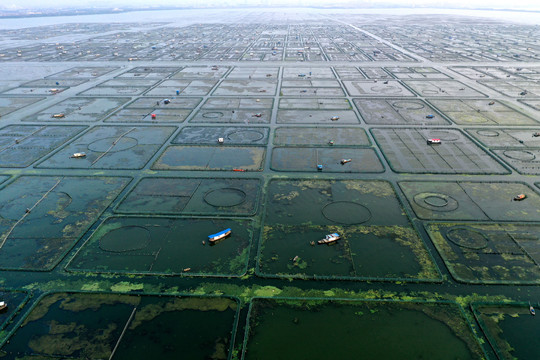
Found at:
[28, 13]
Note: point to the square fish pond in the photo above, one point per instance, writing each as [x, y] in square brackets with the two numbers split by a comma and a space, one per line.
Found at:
[111, 147]
[407, 151]
[481, 112]
[82, 72]
[398, 112]
[227, 158]
[377, 240]
[442, 88]
[464, 200]
[339, 159]
[376, 88]
[334, 117]
[166, 246]
[209, 135]
[323, 329]
[42, 217]
[103, 326]
[193, 196]
[79, 109]
[321, 136]
[22, 145]
[511, 329]
[170, 110]
[489, 253]
[235, 110]
[14, 301]
[524, 161]
[10, 104]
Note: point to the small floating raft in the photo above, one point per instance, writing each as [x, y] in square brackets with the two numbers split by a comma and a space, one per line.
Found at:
[330, 238]
[520, 197]
[220, 235]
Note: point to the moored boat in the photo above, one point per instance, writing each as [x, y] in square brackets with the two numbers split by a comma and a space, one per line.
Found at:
[330, 238]
[220, 235]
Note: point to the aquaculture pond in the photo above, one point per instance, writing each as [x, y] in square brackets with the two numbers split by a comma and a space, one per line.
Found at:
[511, 328]
[375, 183]
[321, 329]
[103, 326]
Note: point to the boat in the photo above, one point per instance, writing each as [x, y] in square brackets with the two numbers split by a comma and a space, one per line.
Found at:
[334, 118]
[3, 305]
[491, 103]
[257, 115]
[319, 167]
[433, 141]
[531, 310]
[58, 116]
[430, 116]
[344, 161]
[78, 155]
[220, 235]
[536, 134]
[330, 238]
[520, 197]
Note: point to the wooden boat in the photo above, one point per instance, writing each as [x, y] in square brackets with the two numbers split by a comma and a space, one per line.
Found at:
[330, 238]
[3, 305]
[433, 141]
[520, 197]
[220, 235]
[78, 155]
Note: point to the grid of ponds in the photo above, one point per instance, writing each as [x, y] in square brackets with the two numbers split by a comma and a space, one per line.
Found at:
[122, 152]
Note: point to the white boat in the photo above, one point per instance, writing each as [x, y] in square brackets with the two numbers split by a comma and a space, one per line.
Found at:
[330, 238]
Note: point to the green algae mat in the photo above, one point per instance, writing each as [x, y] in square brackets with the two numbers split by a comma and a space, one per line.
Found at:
[378, 242]
[105, 326]
[323, 329]
[489, 253]
[42, 217]
[165, 246]
[510, 328]
[193, 196]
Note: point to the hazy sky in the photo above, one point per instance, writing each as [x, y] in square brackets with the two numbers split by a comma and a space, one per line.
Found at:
[516, 4]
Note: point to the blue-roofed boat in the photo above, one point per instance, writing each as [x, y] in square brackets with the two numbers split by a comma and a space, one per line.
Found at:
[329, 238]
[220, 235]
